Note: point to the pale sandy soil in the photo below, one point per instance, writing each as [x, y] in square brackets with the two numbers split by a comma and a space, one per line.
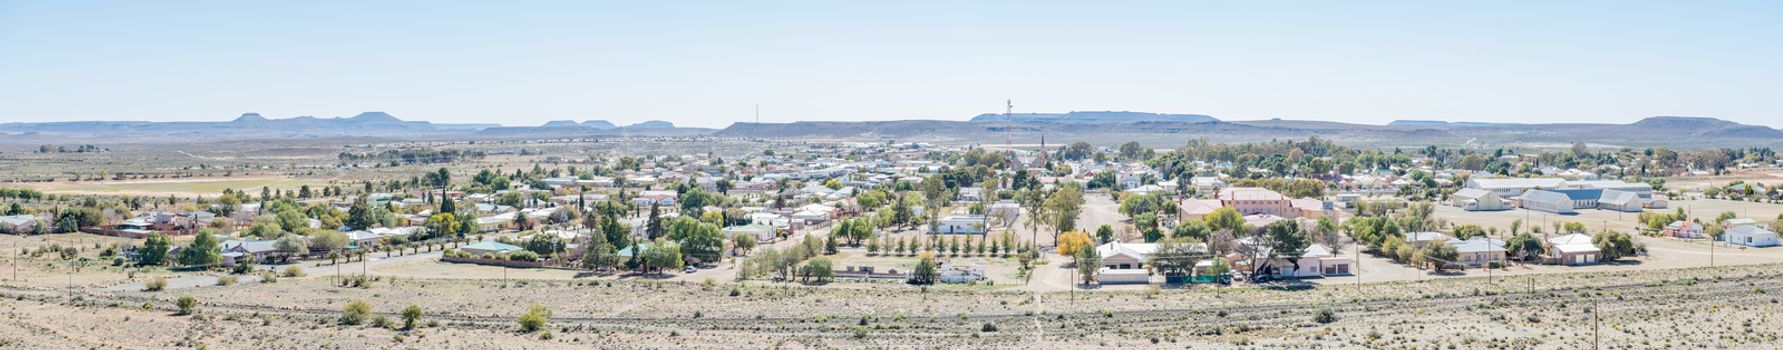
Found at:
[1642, 309]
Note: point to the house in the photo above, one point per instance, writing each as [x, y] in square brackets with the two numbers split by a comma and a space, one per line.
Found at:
[1548, 201]
[241, 251]
[1473, 199]
[1683, 229]
[761, 232]
[18, 223]
[970, 194]
[1257, 200]
[957, 273]
[480, 249]
[1125, 256]
[1421, 239]
[1573, 249]
[963, 224]
[1316, 261]
[1006, 210]
[1750, 236]
[1477, 251]
[660, 198]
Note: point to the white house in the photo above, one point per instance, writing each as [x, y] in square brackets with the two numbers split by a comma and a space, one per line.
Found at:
[1317, 261]
[1548, 201]
[1478, 251]
[1573, 249]
[18, 223]
[1124, 262]
[762, 233]
[1751, 236]
[963, 224]
[1473, 199]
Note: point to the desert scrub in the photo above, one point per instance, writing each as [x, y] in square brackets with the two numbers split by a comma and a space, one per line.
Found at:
[293, 271]
[187, 305]
[355, 313]
[155, 284]
[535, 318]
[226, 280]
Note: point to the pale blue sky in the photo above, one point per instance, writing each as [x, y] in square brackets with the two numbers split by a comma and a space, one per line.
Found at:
[708, 63]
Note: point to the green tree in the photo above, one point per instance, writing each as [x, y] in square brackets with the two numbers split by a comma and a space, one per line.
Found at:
[203, 252]
[698, 240]
[1226, 219]
[1285, 241]
[820, 269]
[1190, 229]
[925, 270]
[1438, 254]
[1104, 234]
[359, 216]
[1524, 246]
[1614, 245]
[663, 254]
[154, 250]
[1087, 261]
[1063, 206]
[1176, 256]
[598, 253]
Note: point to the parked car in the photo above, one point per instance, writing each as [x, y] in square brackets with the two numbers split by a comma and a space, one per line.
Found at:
[690, 269]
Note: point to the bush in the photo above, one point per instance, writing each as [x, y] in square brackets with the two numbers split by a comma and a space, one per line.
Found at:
[155, 284]
[269, 277]
[410, 316]
[242, 268]
[293, 271]
[380, 321]
[988, 327]
[527, 256]
[1325, 316]
[226, 280]
[535, 318]
[187, 304]
[355, 313]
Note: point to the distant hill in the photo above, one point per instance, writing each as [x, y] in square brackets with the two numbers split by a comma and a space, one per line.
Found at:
[1436, 123]
[1677, 132]
[1103, 128]
[1093, 117]
[654, 124]
[599, 124]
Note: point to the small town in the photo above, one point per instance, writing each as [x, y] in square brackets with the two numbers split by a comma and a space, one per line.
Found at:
[793, 174]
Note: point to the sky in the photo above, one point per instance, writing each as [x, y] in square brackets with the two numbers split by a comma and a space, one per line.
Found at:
[708, 64]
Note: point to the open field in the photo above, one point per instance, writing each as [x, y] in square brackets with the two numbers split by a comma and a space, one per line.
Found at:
[1640, 309]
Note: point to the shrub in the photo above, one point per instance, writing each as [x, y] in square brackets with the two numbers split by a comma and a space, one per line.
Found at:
[524, 255]
[380, 321]
[1325, 316]
[535, 318]
[410, 315]
[155, 284]
[187, 304]
[988, 327]
[269, 277]
[242, 268]
[355, 313]
[225, 280]
[293, 271]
